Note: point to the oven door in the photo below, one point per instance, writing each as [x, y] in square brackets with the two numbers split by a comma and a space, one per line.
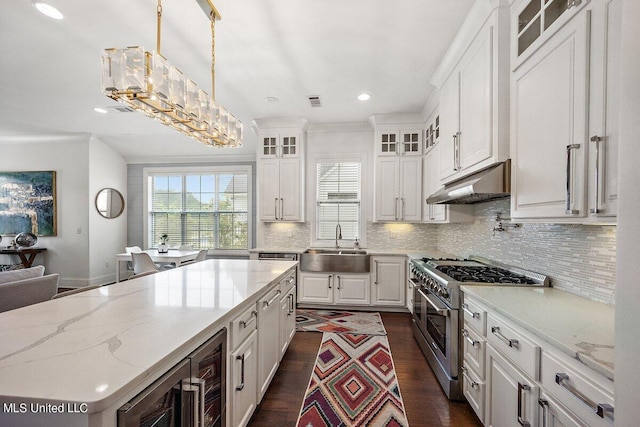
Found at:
[438, 324]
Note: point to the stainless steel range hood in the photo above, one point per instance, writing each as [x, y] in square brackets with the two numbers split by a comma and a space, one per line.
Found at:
[491, 183]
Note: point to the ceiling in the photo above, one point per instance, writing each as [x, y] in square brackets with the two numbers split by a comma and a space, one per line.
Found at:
[288, 49]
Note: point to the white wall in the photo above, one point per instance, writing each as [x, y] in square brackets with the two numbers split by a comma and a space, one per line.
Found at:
[107, 237]
[627, 340]
[68, 252]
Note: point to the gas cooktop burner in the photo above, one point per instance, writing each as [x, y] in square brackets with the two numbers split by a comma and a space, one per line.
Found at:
[483, 274]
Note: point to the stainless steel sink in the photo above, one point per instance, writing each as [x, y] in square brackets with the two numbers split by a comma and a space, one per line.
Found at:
[335, 260]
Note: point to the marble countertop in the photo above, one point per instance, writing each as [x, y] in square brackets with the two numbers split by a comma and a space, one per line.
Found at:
[580, 327]
[96, 346]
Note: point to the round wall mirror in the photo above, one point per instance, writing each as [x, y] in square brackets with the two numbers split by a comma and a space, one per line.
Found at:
[109, 203]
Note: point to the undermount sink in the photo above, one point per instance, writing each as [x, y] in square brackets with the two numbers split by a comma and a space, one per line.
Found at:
[335, 260]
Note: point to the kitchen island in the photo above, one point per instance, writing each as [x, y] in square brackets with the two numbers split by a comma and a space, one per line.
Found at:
[91, 352]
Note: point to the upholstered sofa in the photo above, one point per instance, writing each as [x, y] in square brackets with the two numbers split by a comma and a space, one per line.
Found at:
[25, 287]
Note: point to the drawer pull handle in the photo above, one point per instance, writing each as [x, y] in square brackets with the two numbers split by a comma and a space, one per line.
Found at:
[521, 420]
[272, 300]
[471, 341]
[495, 330]
[475, 315]
[544, 404]
[252, 318]
[474, 385]
[600, 409]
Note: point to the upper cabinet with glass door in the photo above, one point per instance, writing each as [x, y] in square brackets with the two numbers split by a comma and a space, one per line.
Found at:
[398, 143]
[280, 145]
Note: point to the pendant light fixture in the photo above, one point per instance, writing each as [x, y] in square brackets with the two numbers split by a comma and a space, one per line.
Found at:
[147, 82]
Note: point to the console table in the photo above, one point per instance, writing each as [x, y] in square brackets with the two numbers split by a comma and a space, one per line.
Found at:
[27, 255]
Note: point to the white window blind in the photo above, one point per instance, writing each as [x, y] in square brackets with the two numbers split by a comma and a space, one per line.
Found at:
[205, 211]
[338, 200]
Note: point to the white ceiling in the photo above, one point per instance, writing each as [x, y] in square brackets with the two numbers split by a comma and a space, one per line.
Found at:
[289, 49]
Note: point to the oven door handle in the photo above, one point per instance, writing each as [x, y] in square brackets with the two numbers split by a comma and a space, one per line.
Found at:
[443, 311]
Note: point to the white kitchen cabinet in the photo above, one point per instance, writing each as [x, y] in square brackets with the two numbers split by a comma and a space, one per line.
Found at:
[552, 414]
[287, 318]
[564, 114]
[268, 308]
[243, 367]
[398, 189]
[334, 288]
[243, 363]
[439, 213]
[388, 288]
[399, 143]
[549, 126]
[280, 176]
[474, 103]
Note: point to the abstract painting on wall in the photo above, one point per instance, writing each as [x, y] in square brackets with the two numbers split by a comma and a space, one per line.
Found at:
[28, 203]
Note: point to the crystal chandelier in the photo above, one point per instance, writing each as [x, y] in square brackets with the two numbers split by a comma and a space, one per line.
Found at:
[147, 82]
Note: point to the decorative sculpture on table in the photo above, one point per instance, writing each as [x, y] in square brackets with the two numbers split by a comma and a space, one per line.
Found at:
[163, 248]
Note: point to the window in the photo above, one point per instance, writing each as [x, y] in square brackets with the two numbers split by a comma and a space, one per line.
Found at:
[206, 210]
[338, 200]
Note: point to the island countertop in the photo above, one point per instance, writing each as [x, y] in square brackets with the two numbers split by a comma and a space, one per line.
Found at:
[96, 346]
[580, 327]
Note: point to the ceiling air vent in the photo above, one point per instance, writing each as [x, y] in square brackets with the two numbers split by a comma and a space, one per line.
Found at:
[314, 100]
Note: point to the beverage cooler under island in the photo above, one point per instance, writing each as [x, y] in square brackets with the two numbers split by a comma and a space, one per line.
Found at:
[195, 345]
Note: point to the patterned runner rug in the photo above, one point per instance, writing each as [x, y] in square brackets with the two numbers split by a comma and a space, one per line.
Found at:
[353, 384]
[339, 322]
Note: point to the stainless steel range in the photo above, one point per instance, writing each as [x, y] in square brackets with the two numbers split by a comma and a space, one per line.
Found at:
[437, 313]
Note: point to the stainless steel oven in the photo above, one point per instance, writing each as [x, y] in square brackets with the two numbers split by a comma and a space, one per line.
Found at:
[436, 327]
[437, 316]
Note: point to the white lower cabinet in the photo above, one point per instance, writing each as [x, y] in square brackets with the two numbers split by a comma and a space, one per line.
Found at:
[512, 397]
[268, 309]
[287, 318]
[335, 288]
[388, 287]
[243, 368]
[512, 377]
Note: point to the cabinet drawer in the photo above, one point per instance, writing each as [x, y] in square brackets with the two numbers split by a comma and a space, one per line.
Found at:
[585, 396]
[473, 389]
[243, 325]
[475, 316]
[474, 347]
[513, 344]
[287, 283]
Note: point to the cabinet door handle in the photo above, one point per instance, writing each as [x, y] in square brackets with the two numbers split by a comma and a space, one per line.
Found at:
[241, 386]
[292, 307]
[375, 268]
[596, 175]
[402, 205]
[275, 297]
[544, 404]
[455, 151]
[473, 314]
[338, 277]
[495, 330]
[281, 209]
[569, 198]
[474, 385]
[252, 318]
[458, 165]
[521, 420]
[395, 209]
[471, 341]
[600, 409]
[329, 281]
[275, 209]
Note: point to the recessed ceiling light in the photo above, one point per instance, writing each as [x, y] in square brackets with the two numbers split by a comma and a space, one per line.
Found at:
[364, 97]
[271, 100]
[100, 110]
[47, 9]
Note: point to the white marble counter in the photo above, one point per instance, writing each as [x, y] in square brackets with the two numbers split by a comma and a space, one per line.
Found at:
[278, 250]
[95, 347]
[580, 327]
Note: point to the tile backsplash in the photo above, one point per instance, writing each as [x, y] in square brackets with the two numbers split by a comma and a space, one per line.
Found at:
[580, 259]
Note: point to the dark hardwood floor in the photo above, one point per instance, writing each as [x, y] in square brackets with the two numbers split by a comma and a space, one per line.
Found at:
[425, 403]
